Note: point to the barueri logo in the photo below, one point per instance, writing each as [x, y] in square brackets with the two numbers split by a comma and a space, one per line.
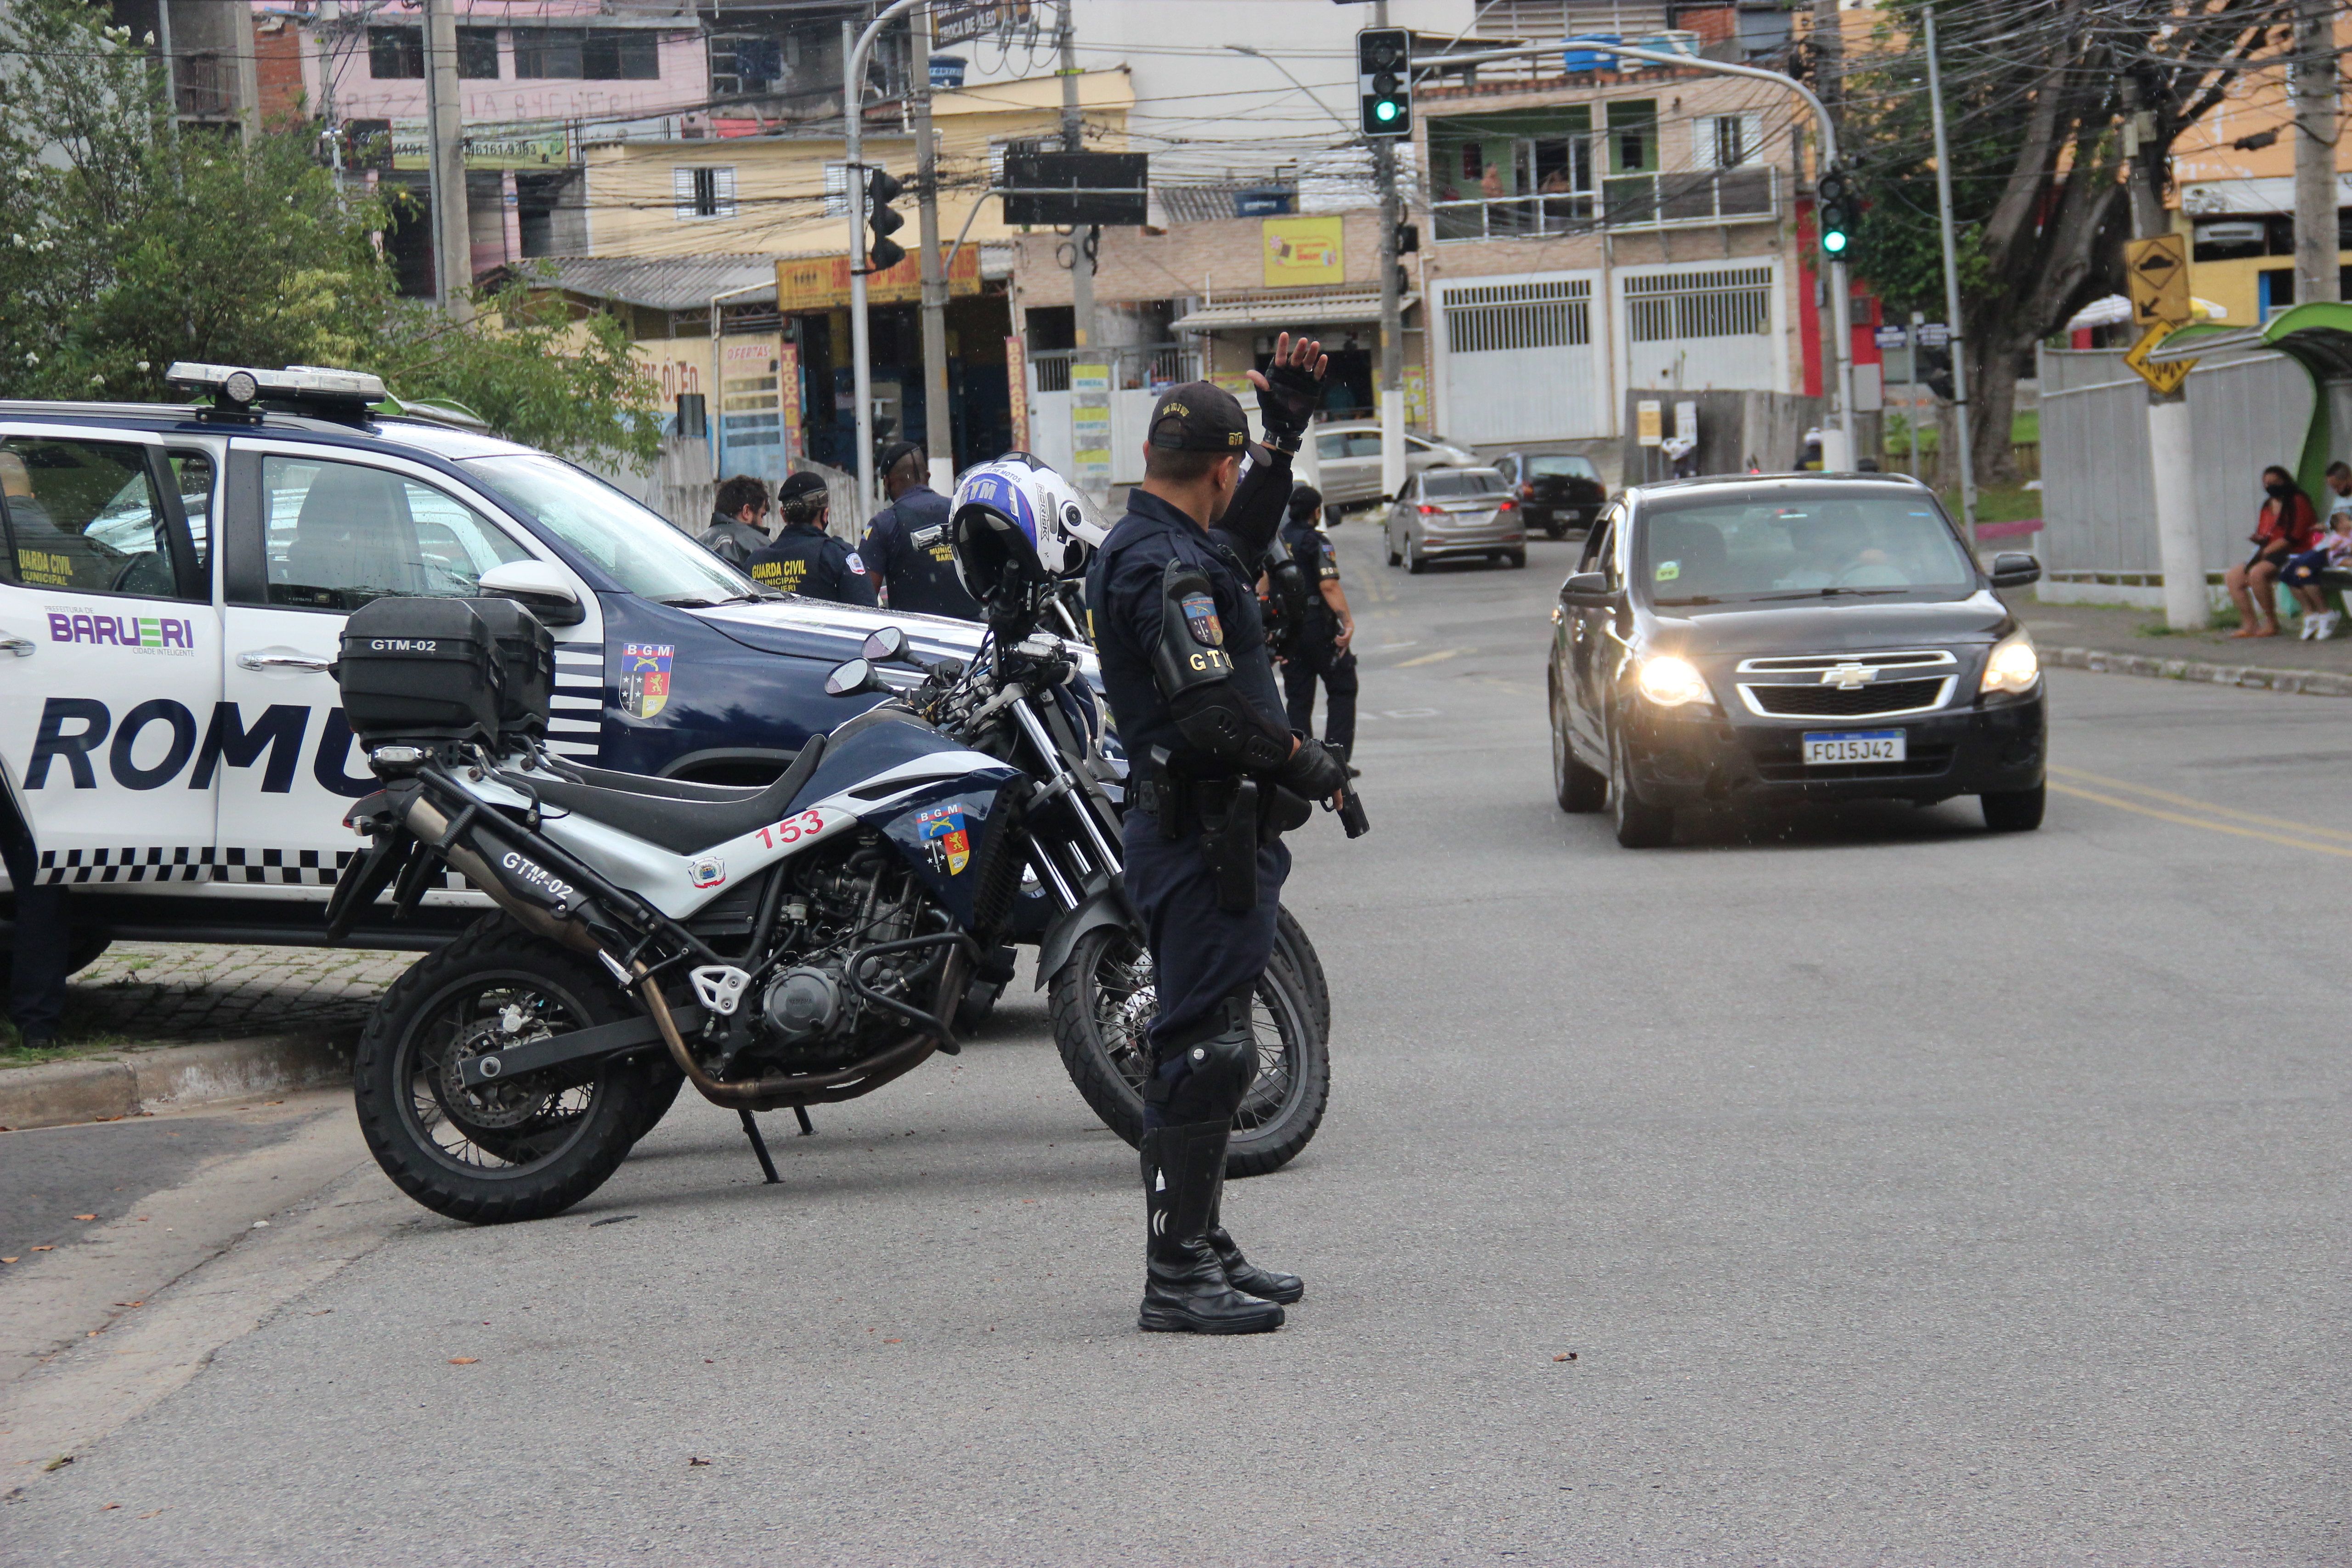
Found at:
[141, 634]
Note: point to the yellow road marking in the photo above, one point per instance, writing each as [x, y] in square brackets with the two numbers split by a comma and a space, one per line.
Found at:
[1427, 659]
[2302, 843]
[2170, 798]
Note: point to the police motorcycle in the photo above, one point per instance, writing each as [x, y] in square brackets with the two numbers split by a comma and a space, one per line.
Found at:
[782, 946]
[1022, 534]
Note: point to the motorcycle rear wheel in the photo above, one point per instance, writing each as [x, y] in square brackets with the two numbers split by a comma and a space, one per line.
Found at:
[521, 1148]
[1104, 1003]
[1294, 947]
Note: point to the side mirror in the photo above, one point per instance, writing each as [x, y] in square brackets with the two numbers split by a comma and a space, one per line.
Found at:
[1587, 591]
[852, 679]
[885, 645]
[542, 589]
[2015, 569]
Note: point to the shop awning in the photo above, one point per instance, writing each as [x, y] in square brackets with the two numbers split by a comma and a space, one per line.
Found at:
[1287, 312]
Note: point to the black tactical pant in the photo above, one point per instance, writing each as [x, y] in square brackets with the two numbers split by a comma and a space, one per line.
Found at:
[1319, 656]
[36, 990]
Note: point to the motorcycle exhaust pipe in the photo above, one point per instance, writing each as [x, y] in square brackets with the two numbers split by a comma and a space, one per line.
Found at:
[426, 821]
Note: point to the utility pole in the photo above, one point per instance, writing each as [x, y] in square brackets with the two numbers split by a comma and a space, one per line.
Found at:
[939, 435]
[1084, 238]
[2139, 141]
[1958, 341]
[854, 48]
[2316, 129]
[171, 69]
[1829, 75]
[453, 241]
[1391, 396]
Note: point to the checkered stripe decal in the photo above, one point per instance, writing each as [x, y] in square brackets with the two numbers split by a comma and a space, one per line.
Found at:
[209, 863]
[575, 711]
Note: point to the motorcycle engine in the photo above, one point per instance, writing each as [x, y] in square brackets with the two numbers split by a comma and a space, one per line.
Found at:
[802, 1005]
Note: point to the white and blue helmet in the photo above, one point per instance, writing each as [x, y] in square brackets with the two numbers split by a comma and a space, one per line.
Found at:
[1018, 511]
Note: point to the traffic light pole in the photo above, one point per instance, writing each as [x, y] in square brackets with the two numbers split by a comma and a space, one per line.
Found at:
[1968, 454]
[1841, 300]
[938, 433]
[855, 47]
[1392, 390]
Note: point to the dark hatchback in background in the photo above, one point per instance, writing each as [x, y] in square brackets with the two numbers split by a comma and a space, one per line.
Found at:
[1556, 491]
[1746, 638]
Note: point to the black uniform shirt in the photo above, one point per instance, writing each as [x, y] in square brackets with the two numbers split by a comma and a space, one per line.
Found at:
[908, 548]
[1310, 548]
[1124, 593]
[805, 559]
[734, 540]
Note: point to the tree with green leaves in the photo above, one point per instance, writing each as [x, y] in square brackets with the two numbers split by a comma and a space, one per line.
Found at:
[2037, 95]
[126, 244]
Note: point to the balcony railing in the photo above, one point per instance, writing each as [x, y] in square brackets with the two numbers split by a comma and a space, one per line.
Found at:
[1684, 200]
[1148, 367]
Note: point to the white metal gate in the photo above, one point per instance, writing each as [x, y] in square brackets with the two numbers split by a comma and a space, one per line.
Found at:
[1700, 332]
[1519, 361]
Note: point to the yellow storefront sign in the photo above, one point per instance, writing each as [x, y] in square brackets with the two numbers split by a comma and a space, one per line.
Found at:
[1301, 252]
[821, 282]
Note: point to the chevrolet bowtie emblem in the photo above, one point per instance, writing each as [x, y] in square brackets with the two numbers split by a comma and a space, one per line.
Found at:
[1849, 676]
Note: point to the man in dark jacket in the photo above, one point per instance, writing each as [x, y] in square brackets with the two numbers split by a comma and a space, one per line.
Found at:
[805, 559]
[1321, 647]
[906, 546]
[739, 520]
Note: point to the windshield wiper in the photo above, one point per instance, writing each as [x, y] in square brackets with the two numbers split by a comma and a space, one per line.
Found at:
[1692, 599]
[1823, 592]
[700, 602]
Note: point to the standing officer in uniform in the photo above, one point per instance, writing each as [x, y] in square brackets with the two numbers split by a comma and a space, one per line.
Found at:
[805, 559]
[739, 520]
[907, 544]
[1321, 648]
[1218, 777]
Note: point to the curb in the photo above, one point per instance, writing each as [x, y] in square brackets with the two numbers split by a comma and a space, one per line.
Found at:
[2252, 677]
[57, 1094]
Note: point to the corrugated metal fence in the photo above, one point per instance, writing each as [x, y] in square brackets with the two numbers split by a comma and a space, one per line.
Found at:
[2099, 504]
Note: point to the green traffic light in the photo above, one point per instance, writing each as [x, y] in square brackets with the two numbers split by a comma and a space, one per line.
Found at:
[1833, 242]
[1384, 110]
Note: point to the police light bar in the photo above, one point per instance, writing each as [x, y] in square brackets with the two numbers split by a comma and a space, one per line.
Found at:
[239, 387]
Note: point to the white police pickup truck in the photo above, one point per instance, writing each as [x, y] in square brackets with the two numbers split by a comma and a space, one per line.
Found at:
[174, 582]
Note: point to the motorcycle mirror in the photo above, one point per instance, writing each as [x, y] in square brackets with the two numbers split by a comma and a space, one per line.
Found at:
[851, 679]
[885, 644]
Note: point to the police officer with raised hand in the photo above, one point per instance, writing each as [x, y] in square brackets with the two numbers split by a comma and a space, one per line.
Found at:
[907, 544]
[1218, 776]
[806, 559]
[738, 520]
[1320, 649]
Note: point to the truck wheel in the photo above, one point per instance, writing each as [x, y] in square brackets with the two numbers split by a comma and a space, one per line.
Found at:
[1639, 824]
[2013, 810]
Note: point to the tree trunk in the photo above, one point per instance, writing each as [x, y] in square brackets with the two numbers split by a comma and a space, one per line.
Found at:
[1993, 376]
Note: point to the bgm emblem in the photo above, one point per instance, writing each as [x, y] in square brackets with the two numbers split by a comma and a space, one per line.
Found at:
[945, 838]
[1849, 676]
[707, 872]
[645, 678]
[1200, 620]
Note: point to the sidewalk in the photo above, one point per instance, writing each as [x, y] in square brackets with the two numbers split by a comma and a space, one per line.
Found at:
[2125, 640]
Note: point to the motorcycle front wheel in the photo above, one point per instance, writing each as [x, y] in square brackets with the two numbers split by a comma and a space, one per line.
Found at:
[1104, 1002]
[518, 1148]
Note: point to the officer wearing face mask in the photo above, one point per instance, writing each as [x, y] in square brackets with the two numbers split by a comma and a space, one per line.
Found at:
[1218, 777]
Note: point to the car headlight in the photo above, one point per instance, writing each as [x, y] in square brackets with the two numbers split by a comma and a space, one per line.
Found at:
[2014, 668]
[1671, 682]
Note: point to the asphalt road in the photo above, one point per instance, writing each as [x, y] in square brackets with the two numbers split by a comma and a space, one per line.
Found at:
[1903, 1194]
[55, 1181]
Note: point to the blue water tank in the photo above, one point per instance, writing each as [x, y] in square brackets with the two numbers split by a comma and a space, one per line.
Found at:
[1577, 59]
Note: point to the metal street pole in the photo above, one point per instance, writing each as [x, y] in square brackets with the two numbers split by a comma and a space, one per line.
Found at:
[1911, 396]
[2316, 129]
[1845, 345]
[938, 433]
[1083, 238]
[1391, 396]
[1958, 341]
[453, 240]
[855, 47]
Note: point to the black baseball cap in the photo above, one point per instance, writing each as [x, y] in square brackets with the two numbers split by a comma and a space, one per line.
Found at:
[799, 484]
[1199, 417]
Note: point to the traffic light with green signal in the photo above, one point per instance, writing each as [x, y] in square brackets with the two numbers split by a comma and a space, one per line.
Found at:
[1834, 209]
[1384, 80]
[882, 252]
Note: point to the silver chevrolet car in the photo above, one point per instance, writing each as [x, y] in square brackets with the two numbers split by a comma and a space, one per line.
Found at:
[1450, 513]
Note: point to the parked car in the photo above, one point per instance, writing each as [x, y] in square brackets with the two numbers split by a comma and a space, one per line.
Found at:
[1347, 458]
[1450, 513]
[174, 585]
[1556, 491]
[1807, 636]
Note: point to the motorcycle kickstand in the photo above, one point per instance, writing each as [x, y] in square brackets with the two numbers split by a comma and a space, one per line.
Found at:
[808, 1128]
[759, 1145]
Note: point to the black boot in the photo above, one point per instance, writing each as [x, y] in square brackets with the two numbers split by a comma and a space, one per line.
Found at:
[1267, 1284]
[1185, 1288]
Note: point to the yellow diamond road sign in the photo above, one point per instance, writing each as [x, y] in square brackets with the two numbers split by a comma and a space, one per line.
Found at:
[2165, 378]
[2158, 270]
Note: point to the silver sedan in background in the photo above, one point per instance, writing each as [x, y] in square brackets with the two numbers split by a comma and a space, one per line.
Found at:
[1450, 512]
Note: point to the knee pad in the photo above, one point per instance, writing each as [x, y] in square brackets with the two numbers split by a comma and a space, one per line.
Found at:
[1202, 1075]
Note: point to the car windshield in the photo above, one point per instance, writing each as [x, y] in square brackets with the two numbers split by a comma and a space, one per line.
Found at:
[1563, 468]
[1453, 484]
[1775, 544]
[631, 542]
